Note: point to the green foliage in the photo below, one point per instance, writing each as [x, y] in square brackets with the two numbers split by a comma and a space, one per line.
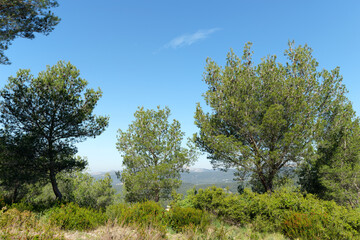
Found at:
[263, 117]
[209, 199]
[73, 217]
[17, 168]
[281, 211]
[77, 187]
[84, 190]
[146, 213]
[334, 173]
[151, 214]
[21, 18]
[22, 206]
[117, 211]
[152, 155]
[143, 215]
[57, 110]
[183, 219]
[306, 226]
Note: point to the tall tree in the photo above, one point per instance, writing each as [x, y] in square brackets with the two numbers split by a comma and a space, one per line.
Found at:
[152, 155]
[263, 117]
[23, 18]
[335, 171]
[56, 108]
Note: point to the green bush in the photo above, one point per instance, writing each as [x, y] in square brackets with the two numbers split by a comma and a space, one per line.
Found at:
[117, 211]
[305, 226]
[22, 206]
[143, 215]
[281, 211]
[77, 187]
[210, 199]
[181, 219]
[146, 213]
[73, 217]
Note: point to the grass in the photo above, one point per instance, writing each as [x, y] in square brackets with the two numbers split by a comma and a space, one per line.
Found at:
[27, 225]
[117, 232]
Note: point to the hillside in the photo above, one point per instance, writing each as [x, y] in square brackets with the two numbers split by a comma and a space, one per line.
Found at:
[197, 177]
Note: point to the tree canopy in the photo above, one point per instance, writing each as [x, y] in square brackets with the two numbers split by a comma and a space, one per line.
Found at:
[263, 117]
[152, 155]
[18, 166]
[334, 172]
[56, 108]
[23, 18]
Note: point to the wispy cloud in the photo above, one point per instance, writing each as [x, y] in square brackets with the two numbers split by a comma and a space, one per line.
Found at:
[188, 39]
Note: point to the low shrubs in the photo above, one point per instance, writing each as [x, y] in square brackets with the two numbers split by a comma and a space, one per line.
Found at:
[181, 219]
[144, 213]
[151, 214]
[73, 217]
[290, 212]
[15, 224]
[305, 226]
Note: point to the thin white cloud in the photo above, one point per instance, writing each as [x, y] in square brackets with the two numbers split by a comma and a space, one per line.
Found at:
[188, 39]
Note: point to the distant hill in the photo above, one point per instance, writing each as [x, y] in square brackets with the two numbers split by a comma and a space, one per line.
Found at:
[197, 177]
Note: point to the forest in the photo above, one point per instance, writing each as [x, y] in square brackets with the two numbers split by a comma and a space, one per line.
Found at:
[287, 130]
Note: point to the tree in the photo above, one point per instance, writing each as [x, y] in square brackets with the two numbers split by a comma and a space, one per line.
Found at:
[17, 164]
[78, 187]
[334, 173]
[23, 18]
[263, 117]
[55, 108]
[152, 155]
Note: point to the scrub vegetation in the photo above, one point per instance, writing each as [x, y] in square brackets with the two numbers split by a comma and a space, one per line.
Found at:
[287, 130]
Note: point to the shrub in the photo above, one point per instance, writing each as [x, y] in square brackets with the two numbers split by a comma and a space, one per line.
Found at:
[73, 217]
[305, 226]
[15, 224]
[22, 206]
[143, 215]
[210, 199]
[117, 211]
[281, 211]
[77, 187]
[181, 219]
[146, 213]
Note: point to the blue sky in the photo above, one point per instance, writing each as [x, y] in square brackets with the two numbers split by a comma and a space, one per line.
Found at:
[149, 53]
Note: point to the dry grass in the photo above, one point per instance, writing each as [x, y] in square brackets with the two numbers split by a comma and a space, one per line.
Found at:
[116, 232]
[25, 225]
[129, 233]
[226, 233]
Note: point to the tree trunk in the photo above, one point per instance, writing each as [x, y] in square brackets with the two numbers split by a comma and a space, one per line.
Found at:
[55, 186]
[267, 182]
[15, 193]
[52, 172]
[269, 185]
[157, 195]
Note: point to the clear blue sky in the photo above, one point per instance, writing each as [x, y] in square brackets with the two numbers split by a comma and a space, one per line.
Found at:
[149, 53]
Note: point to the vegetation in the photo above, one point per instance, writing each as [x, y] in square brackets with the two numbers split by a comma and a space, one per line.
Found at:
[152, 156]
[211, 213]
[266, 117]
[56, 110]
[285, 211]
[334, 173]
[17, 168]
[23, 18]
[288, 129]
